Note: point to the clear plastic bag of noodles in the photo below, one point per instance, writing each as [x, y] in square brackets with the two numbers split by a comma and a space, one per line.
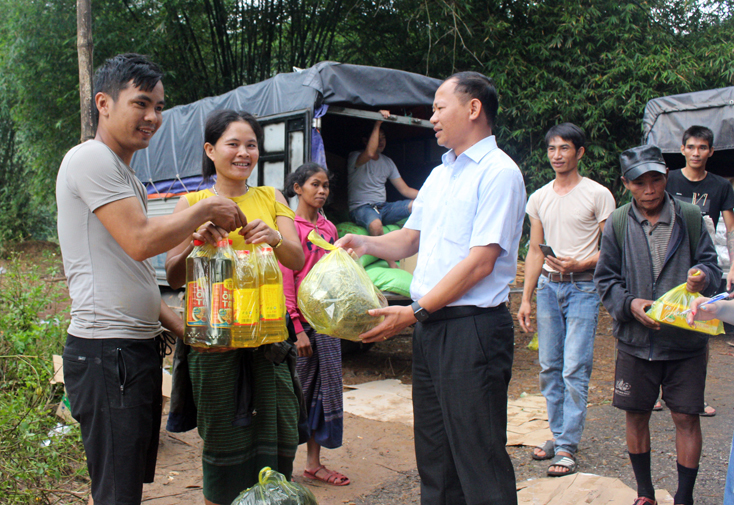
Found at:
[272, 327]
[669, 308]
[246, 299]
[198, 294]
[273, 489]
[337, 293]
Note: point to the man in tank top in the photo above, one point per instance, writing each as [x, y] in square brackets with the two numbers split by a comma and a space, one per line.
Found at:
[568, 215]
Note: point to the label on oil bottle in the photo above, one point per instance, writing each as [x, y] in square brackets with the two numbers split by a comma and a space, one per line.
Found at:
[246, 307]
[196, 313]
[271, 302]
[222, 304]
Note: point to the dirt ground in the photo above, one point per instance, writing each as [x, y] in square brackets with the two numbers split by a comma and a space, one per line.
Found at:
[379, 457]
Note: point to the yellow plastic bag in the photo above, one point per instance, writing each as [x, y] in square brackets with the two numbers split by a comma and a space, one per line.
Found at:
[337, 293]
[668, 310]
[273, 489]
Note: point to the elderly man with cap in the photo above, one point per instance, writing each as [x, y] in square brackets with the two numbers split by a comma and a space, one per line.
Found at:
[654, 244]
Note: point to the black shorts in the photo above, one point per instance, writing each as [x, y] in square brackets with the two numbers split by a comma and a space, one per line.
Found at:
[637, 383]
[114, 388]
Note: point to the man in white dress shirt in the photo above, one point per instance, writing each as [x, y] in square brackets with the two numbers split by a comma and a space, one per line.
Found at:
[466, 224]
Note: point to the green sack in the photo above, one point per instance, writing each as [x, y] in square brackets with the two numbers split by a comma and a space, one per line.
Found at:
[390, 279]
[347, 227]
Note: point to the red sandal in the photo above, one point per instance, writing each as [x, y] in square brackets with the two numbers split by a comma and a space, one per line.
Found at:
[644, 500]
[332, 477]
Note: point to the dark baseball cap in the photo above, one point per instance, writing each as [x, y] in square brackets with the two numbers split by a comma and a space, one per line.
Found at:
[640, 160]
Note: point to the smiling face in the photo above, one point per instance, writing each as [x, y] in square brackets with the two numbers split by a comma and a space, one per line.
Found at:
[235, 154]
[648, 190]
[697, 152]
[127, 124]
[451, 118]
[563, 155]
[314, 191]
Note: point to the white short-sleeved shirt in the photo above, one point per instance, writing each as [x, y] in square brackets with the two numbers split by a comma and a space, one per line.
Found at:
[366, 183]
[112, 295]
[571, 221]
[475, 199]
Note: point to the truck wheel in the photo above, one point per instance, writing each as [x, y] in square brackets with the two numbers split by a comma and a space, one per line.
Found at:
[349, 347]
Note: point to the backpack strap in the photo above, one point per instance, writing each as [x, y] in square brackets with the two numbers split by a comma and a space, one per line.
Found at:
[619, 222]
[691, 217]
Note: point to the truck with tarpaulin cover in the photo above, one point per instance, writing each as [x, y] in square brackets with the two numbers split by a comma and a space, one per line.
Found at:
[315, 114]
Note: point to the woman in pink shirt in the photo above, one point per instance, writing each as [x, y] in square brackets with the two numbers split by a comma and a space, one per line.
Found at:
[319, 356]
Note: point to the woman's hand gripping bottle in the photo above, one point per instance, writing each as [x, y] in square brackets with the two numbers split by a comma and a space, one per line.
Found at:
[272, 299]
[221, 269]
[198, 294]
[246, 300]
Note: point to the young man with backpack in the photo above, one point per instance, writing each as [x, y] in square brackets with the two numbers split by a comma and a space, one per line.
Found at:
[654, 244]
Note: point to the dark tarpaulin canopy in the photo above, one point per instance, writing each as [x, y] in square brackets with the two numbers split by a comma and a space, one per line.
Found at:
[176, 149]
[666, 118]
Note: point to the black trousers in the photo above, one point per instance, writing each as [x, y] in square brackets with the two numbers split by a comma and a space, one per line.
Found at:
[114, 388]
[461, 370]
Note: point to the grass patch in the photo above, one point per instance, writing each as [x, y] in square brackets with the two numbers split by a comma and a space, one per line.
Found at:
[37, 465]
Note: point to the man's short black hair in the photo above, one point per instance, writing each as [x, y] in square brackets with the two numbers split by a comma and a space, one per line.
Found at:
[569, 132]
[482, 88]
[116, 73]
[699, 132]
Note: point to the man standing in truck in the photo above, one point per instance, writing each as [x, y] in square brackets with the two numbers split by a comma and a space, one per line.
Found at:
[113, 353]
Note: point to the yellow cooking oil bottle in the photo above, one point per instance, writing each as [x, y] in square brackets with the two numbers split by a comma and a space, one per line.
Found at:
[246, 300]
[221, 268]
[272, 299]
[197, 294]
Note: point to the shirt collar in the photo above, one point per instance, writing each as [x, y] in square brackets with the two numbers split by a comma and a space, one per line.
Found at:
[666, 215]
[475, 153]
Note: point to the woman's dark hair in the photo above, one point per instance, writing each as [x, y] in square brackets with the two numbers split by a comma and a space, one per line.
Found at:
[301, 175]
[216, 124]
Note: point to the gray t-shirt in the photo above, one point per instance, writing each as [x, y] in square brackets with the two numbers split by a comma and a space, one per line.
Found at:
[113, 296]
[367, 183]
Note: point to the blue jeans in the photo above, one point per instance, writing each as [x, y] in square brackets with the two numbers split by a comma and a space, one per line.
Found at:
[729, 488]
[387, 212]
[567, 316]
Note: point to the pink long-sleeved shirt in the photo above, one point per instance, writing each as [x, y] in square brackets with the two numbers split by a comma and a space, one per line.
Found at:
[292, 278]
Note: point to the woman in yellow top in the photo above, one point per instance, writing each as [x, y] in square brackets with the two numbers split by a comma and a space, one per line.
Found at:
[235, 449]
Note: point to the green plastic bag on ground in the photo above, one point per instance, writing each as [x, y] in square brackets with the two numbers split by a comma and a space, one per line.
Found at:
[337, 293]
[669, 308]
[273, 489]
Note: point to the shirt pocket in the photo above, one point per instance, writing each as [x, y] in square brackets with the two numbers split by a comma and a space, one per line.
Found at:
[459, 219]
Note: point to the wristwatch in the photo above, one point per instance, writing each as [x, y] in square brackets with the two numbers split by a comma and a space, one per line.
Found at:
[419, 312]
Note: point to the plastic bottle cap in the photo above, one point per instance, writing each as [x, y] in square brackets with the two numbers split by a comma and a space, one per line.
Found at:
[198, 242]
[222, 242]
[267, 249]
[230, 241]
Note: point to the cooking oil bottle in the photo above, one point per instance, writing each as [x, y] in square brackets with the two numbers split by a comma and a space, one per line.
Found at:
[246, 300]
[221, 269]
[197, 294]
[272, 299]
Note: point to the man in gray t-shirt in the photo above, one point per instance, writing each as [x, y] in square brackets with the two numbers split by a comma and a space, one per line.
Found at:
[112, 357]
[368, 171]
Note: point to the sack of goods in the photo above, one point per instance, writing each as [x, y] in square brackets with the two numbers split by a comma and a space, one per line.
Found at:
[671, 308]
[273, 489]
[337, 293]
[233, 298]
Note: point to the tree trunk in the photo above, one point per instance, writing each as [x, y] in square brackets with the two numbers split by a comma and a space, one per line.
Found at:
[85, 49]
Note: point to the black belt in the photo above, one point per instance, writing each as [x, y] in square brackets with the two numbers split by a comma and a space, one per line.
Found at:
[459, 311]
[585, 276]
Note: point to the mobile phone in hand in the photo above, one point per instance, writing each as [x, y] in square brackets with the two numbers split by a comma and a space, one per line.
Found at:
[547, 250]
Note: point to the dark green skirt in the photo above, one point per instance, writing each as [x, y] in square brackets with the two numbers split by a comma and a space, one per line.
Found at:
[233, 456]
